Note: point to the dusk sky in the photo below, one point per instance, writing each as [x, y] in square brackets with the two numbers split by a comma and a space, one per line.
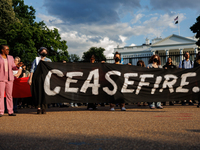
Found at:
[93, 23]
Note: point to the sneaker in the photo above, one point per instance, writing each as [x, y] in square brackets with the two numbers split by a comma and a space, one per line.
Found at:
[75, 105]
[72, 105]
[90, 108]
[198, 105]
[112, 109]
[123, 109]
[1, 115]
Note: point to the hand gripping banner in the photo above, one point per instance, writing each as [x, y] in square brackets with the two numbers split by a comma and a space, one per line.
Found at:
[95, 83]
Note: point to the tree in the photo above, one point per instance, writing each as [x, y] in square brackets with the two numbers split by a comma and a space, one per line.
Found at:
[196, 29]
[26, 36]
[97, 52]
[7, 16]
[25, 13]
[74, 58]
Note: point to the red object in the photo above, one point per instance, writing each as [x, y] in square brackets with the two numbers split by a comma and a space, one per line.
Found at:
[21, 88]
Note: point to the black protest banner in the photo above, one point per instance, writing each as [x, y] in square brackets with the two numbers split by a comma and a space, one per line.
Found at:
[95, 83]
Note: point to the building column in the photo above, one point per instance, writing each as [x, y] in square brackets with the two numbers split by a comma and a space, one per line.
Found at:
[181, 54]
[167, 54]
[196, 50]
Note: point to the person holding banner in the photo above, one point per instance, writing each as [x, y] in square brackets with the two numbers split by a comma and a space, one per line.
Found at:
[16, 72]
[186, 64]
[169, 65]
[154, 62]
[6, 80]
[25, 73]
[43, 53]
[117, 59]
[141, 63]
[197, 64]
[92, 106]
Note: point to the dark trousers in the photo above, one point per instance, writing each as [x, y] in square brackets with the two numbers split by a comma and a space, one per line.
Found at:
[43, 106]
[91, 105]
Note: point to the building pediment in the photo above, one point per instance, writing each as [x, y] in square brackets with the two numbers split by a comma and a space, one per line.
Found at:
[174, 40]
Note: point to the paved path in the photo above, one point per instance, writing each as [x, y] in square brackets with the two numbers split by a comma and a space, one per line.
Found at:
[174, 127]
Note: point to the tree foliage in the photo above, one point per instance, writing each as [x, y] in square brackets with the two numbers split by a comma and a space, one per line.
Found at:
[25, 13]
[26, 36]
[97, 52]
[196, 29]
[7, 16]
[74, 58]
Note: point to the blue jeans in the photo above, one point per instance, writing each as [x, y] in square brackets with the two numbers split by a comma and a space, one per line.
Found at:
[152, 104]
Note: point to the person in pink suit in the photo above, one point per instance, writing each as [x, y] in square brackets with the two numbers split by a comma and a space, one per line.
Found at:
[6, 80]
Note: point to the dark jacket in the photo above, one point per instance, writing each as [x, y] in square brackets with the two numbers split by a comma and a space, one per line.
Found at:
[169, 66]
[196, 64]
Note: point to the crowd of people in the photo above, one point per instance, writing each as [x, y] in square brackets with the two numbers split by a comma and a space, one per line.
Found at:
[12, 68]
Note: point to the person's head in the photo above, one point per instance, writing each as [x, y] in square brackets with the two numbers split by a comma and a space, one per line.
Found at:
[155, 59]
[24, 67]
[187, 55]
[43, 51]
[92, 59]
[4, 49]
[169, 60]
[140, 63]
[17, 60]
[117, 57]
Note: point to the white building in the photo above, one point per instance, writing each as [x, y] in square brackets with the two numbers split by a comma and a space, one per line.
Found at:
[172, 46]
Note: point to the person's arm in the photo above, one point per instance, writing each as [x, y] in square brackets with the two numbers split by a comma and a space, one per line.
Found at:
[30, 78]
[28, 74]
[31, 72]
[18, 73]
[24, 75]
[13, 63]
[165, 67]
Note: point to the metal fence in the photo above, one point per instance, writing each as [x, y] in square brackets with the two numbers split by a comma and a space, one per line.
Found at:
[176, 58]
